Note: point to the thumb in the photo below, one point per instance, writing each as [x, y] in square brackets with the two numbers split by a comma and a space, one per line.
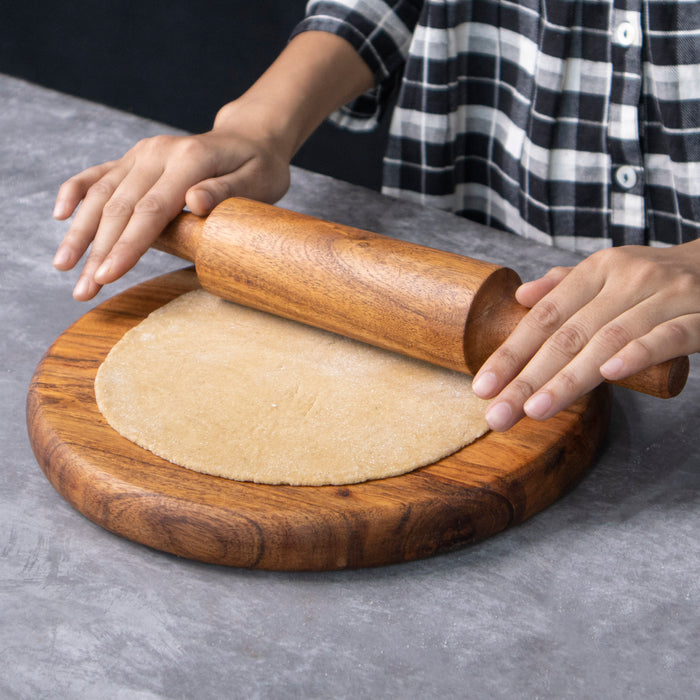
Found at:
[265, 185]
[530, 293]
[204, 196]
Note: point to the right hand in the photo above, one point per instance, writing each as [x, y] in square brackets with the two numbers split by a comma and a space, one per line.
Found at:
[126, 203]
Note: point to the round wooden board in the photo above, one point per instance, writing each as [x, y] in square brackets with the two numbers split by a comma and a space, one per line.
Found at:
[496, 482]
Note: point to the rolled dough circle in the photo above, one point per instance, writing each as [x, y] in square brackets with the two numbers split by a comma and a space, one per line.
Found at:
[233, 392]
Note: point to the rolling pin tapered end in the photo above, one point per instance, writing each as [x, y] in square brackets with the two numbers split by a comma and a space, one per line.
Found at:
[664, 380]
[181, 237]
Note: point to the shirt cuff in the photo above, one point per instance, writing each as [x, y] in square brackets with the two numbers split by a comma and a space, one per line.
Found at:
[381, 33]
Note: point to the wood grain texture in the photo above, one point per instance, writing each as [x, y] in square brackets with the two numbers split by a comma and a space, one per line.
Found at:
[440, 307]
[496, 482]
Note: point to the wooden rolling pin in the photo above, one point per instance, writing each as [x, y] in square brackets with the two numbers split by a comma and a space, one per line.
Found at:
[444, 308]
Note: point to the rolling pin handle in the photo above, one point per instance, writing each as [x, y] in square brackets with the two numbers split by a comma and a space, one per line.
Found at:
[181, 236]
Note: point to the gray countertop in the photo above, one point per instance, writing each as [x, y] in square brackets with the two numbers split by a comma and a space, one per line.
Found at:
[596, 597]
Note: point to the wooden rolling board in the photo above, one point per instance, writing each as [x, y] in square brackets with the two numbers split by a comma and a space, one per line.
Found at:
[496, 482]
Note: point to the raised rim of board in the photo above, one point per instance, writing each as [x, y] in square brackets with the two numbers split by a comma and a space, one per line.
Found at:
[494, 483]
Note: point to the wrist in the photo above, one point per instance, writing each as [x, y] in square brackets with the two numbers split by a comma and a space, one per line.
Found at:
[316, 74]
[261, 121]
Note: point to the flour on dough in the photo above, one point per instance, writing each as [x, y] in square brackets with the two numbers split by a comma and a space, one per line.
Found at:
[238, 393]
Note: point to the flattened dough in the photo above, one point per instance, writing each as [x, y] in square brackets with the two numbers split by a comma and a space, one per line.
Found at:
[233, 392]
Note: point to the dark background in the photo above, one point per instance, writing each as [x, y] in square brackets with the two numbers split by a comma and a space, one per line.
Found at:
[176, 62]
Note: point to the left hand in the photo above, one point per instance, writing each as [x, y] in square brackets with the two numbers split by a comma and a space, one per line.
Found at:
[617, 312]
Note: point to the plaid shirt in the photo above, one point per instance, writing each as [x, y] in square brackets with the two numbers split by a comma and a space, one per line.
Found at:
[572, 122]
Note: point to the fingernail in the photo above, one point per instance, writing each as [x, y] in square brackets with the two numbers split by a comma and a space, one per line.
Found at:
[62, 257]
[538, 405]
[485, 384]
[612, 367]
[82, 288]
[60, 210]
[103, 271]
[499, 416]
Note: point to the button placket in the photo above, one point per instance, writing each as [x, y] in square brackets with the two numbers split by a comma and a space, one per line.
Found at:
[626, 172]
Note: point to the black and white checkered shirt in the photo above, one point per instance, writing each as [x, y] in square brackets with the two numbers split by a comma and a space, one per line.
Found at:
[572, 122]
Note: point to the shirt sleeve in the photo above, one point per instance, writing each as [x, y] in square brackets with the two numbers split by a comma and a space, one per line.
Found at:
[381, 32]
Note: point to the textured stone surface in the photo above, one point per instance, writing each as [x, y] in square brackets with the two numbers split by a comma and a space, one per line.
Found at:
[598, 596]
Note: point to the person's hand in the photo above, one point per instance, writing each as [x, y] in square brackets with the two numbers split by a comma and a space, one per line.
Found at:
[126, 203]
[617, 312]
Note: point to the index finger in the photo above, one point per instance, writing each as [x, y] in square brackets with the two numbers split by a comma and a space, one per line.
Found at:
[152, 213]
[544, 319]
[74, 189]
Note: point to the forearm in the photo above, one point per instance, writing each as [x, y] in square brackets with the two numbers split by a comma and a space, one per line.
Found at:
[316, 74]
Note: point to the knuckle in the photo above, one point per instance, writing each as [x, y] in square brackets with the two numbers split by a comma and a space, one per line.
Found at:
[154, 144]
[610, 260]
[83, 180]
[96, 171]
[192, 148]
[128, 253]
[78, 236]
[614, 335]
[94, 260]
[150, 204]
[617, 255]
[100, 189]
[70, 189]
[222, 190]
[78, 180]
[569, 339]
[117, 208]
[544, 316]
[645, 273]
[568, 382]
[558, 272]
[508, 360]
[605, 255]
[522, 387]
[642, 350]
[677, 334]
[687, 285]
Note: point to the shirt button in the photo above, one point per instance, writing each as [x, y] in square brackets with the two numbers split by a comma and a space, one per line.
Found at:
[625, 34]
[626, 177]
